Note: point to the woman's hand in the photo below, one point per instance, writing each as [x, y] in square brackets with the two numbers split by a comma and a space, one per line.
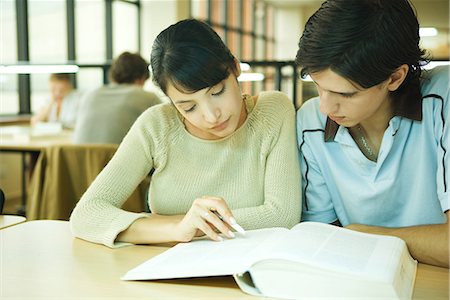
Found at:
[208, 216]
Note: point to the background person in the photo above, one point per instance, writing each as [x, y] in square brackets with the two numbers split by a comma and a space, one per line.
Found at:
[375, 144]
[63, 103]
[107, 113]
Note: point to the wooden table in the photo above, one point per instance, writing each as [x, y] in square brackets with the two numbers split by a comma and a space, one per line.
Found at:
[22, 138]
[26, 141]
[15, 119]
[41, 259]
[7, 220]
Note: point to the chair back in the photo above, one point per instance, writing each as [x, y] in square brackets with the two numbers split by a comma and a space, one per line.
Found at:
[63, 173]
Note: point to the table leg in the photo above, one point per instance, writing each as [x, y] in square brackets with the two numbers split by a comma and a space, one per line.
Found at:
[27, 168]
[21, 210]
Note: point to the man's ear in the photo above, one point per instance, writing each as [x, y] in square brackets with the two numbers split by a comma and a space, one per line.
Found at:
[237, 68]
[397, 78]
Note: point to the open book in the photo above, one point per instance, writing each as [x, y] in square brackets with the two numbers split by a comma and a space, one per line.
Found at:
[312, 260]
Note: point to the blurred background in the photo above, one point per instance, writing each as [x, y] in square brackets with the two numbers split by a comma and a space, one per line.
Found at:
[89, 33]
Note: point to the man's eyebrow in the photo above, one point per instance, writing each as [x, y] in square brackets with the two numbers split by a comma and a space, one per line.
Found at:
[340, 93]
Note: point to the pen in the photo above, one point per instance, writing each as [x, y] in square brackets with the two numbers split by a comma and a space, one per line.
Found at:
[235, 225]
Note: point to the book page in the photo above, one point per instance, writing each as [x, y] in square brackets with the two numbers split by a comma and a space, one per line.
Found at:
[339, 249]
[201, 258]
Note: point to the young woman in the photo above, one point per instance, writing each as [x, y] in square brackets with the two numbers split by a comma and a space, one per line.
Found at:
[219, 157]
[63, 104]
[375, 144]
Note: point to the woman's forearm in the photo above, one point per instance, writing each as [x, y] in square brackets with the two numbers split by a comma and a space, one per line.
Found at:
[152, 230]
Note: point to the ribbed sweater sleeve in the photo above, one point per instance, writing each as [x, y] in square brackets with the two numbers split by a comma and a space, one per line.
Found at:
[97, 217]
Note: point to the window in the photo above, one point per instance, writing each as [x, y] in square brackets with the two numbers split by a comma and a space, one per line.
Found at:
[88, 34]
[47, 31]
[51, 31]
[246, 27]
[40, 93]
[89, 78]
[125, 28]
[9, 98]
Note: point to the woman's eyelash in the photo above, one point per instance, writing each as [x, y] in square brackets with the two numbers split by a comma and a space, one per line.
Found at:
[219, 92]
[190, 109]
[348, 95]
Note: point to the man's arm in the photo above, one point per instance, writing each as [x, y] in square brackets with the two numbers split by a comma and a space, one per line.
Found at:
[428, 244]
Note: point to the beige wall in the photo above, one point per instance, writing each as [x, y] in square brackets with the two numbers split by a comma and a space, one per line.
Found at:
[156, 16]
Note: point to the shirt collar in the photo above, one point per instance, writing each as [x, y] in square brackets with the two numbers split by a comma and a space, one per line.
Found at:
[403, 107]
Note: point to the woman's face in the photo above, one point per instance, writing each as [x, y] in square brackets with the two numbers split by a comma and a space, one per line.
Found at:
[211, 113]
[59, 89]
[347, 103]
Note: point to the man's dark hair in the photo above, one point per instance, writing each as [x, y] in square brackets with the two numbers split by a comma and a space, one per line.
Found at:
[364, 41]
[129, 67]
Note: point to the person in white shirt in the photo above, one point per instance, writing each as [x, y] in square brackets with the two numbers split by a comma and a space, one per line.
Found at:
[62, 106]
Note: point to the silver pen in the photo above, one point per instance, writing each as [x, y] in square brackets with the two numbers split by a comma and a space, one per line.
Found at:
[233, 223]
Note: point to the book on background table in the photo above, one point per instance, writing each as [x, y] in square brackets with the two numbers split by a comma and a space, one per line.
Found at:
[311, 260]
[21, 133]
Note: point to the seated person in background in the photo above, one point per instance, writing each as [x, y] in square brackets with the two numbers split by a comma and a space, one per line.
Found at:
[212, 149]
[107, 113]
[62, 106]
[375, 144]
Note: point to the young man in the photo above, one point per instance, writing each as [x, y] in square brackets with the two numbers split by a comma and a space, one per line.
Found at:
[374, 144]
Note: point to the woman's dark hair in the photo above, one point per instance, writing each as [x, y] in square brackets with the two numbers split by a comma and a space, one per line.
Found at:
[364, 41]
[129, 67]
[191, 56]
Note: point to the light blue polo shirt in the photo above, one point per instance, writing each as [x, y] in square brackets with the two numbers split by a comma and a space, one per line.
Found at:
[408, 185]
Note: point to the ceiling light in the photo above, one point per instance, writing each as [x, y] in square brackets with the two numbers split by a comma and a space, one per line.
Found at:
[245, 66]
[428, 31]
[251, 77]
[33, 69]
[433, 64]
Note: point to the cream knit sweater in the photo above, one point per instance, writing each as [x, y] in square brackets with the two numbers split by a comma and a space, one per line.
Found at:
[255, 170]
